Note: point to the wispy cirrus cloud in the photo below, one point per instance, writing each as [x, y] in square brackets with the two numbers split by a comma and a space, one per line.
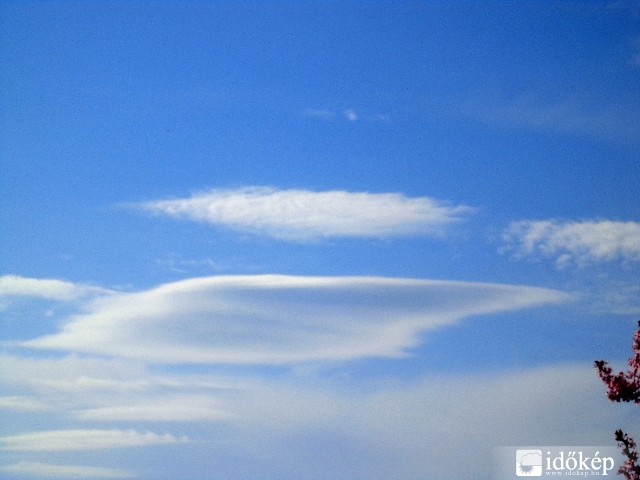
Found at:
[351, 115]
[274, 319]
[77, 440]
[580, 243]
[48, 470]
[304, 215]
[575, 117]
[319, 113]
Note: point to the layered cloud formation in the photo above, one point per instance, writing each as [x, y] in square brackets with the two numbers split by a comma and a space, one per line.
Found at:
[272, 319]
[303, 215]
[400, 429]
[123, 367]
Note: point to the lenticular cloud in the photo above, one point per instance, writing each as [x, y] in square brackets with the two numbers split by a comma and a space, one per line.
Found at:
[271, 319]
[302, 215]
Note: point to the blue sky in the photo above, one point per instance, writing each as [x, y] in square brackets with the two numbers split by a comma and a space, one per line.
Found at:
[310, 240]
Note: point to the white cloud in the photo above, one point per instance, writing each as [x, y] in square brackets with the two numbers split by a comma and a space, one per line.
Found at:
[47, 470]
[575, 242]
[76, 440]
[48, 289]
[273, 319]
[303, 215]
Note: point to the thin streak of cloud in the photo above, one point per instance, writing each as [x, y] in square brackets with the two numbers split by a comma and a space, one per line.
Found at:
[71, 378]
[350, 115]
[174, 408]
[47, 470]
[74, 375]
[77, 440]
[302, 215]
[319, 113]
[617, 125]
[580, 243]
[177, 264]
[23, 404]
[273, 319]
[48, 289]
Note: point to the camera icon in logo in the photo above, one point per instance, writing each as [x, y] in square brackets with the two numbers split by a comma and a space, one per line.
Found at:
[529, 463]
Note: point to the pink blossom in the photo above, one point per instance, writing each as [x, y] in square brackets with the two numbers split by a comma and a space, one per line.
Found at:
[625, 387]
